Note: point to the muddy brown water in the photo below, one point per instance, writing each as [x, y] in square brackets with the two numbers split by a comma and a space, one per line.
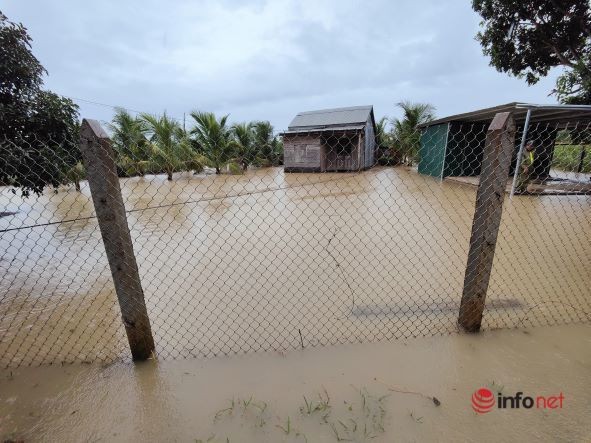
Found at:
[236, 264]
[178, 401]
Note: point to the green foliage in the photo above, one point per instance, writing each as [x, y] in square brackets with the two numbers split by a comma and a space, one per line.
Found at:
[170, 147]
[568, 157]
[387, 155]
[255, 144]
[574, 86]
[38, 129]
[20, 75]
[383, 138]
[152, 144]
[235, 168]
[406, 135]
[134, 153]
[269, 148]
[213, 138]
[243, 145]
[570, 145]
[528, 38]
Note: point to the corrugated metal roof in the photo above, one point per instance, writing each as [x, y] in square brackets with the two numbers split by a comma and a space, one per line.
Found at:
[540, 113]
[331, 117]
[324, 129]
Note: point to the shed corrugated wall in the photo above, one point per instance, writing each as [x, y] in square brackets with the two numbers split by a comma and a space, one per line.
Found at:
[432, 150]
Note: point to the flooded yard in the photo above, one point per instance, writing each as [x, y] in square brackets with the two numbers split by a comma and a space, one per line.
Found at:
[269, 261]
[379, 392]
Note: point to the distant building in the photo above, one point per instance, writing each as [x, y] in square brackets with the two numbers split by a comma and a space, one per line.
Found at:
[341, 139]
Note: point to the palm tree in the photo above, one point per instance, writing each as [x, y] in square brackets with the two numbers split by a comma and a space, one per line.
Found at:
[243, 143]
[268, 146]
[130, 143]
[213, 138]
[386, 155]
[170, 145]
[382, 136]
[405, 132]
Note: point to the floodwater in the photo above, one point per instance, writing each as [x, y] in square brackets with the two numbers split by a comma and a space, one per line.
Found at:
[379, 392]
[269, 261]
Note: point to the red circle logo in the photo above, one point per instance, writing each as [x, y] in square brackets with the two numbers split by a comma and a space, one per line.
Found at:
[483, 400]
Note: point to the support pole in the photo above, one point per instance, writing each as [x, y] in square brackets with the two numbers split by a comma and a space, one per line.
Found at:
[102, 176]
[500, 142]
[581, 159]
[520, 154]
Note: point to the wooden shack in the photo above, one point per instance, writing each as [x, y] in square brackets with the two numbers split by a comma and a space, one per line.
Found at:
[340, 139]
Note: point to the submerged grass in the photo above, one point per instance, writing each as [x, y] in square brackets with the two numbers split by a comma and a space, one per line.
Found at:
[358, 419]
[313, 406]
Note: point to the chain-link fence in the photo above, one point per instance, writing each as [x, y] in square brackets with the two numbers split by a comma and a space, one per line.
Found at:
[311, 237]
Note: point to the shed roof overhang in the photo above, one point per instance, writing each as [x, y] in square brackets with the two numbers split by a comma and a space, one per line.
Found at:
[539, 114]
[322, 129]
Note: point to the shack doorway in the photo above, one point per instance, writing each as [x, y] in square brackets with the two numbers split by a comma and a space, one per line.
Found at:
[340, 152]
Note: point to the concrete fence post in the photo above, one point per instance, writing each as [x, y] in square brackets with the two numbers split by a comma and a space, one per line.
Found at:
[101, 172]
[499, 147]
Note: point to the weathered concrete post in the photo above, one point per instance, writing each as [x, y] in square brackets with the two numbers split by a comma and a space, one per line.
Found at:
[101, 171]
[500, 143]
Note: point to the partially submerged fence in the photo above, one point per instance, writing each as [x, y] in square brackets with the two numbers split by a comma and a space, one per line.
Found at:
[266, 260]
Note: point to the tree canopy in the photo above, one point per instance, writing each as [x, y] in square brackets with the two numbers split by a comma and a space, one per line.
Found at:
[406, 136]
[213, 137]
[170, 146]
[527, 38]
[38, 129]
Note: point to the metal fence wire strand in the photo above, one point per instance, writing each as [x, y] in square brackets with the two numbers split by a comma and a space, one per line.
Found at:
[317, 237]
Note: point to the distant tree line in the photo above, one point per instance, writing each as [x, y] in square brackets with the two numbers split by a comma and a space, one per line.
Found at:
[39, 132]
[149, 144]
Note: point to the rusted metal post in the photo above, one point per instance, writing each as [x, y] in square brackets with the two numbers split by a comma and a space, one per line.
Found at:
[101, 171]
[500, 143]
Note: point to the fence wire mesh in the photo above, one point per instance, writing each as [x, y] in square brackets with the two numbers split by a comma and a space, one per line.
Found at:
[303, 238]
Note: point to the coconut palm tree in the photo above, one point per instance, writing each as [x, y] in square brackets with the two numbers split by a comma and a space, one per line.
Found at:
[170, 146]
[130, 143]
[405, 132]
[213, 138]
[243, 143]
[269, 147]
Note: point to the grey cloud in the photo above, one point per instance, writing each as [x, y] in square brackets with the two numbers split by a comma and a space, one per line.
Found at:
[266, 59]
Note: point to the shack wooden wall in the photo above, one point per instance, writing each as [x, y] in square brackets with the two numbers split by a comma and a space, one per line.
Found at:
[302, 152]
[336, 158]
[324, 151]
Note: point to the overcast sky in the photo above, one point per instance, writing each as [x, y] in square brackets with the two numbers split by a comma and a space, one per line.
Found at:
[266, 59]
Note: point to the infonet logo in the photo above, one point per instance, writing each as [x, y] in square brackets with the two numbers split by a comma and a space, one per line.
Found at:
[483, 401]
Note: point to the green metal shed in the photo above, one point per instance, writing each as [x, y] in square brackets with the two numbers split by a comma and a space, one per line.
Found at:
[452, 149]
[453, 146]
